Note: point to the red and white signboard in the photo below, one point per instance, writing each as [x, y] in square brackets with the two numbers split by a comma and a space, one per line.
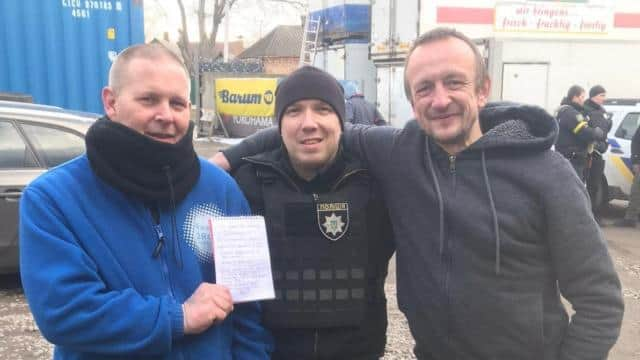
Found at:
[553, 17]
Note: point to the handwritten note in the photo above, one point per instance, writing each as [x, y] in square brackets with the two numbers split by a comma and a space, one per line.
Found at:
[241, 257]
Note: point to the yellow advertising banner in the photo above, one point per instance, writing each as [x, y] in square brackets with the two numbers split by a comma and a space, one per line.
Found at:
[247, 97]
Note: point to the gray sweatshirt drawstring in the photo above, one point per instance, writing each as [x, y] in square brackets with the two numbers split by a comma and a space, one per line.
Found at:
[496, 228]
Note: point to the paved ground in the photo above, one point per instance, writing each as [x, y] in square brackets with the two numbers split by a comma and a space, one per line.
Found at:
[624, 246]
[20, 338]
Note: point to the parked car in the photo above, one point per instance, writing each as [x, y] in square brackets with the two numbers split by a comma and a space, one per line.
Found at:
[33, 138]
[617, 174]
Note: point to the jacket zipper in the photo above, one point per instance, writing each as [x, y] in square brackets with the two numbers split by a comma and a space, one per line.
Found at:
[448, 253]
[452, 170]
[158, 248]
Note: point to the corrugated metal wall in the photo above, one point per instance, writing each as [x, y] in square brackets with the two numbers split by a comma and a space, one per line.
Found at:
[59, 51]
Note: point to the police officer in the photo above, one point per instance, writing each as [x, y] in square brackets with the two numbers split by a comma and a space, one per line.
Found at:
[328, 229]
[575, 137]
[598, 118]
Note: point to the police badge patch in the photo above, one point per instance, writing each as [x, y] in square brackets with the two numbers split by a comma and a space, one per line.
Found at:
[333, 219]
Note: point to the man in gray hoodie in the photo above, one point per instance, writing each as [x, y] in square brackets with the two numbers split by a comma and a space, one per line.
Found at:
[491, 225]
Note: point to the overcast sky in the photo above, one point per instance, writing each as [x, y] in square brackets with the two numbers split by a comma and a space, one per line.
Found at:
[250, 19]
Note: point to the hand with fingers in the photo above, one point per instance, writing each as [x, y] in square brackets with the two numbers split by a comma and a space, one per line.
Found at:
[208, 305]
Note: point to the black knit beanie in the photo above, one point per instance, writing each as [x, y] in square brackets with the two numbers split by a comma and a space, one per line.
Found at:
[596, 90]
[306, 83]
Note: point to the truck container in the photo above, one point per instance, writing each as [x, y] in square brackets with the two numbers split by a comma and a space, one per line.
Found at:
[59, 52]
[350, 62]
[542, 77]
[343, 42]
[534, 50]
[342, 21]
[392, 101]
[394, 26]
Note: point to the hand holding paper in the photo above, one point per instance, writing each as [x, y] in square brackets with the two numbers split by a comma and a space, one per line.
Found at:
[241, 257]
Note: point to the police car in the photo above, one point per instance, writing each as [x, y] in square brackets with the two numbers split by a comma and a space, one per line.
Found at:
[625, 117]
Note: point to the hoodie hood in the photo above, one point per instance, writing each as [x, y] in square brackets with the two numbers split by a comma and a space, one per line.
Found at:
[507, 125]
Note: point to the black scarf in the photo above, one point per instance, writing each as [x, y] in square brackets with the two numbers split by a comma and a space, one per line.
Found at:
[137, 165]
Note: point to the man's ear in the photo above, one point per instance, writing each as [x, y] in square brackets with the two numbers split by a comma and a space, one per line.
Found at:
[483, 92]
[109, 101]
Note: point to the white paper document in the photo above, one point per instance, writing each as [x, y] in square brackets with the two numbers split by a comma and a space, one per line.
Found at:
[241, 257]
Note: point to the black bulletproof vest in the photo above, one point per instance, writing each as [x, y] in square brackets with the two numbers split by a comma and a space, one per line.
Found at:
[319, 253]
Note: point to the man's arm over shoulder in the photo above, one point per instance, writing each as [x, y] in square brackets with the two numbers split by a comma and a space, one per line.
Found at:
[263, 140]
[373, 144]
[71, 304]
[367, 142]
[583, 266]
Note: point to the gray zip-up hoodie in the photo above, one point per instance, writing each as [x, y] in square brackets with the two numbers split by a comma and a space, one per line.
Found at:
[488, 240]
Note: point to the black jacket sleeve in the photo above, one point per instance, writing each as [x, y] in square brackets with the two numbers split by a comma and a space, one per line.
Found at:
[263, 140]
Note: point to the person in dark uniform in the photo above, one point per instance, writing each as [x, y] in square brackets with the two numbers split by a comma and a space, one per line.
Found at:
[575, 137]
[329, 233]
[633, 209]
[357, 109]
[598, 118]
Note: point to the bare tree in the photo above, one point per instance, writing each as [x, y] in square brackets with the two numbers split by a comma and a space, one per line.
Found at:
[217, 10]
[207, 39]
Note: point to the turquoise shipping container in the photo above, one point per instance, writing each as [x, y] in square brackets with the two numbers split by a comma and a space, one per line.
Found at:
[60, 51]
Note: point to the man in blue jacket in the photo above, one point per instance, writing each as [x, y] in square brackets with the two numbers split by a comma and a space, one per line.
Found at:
[491, 226]
[115, 254]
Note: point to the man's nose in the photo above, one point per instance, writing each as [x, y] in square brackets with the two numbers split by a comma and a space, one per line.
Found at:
[441, 97]
[308, 119]
[163, 111]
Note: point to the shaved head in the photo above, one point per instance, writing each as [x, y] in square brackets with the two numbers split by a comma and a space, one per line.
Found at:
[117, 73]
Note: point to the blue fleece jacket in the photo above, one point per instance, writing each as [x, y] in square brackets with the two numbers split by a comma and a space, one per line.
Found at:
[94, 287]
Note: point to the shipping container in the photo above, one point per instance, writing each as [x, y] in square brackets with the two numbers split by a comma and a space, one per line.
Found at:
[59, 52]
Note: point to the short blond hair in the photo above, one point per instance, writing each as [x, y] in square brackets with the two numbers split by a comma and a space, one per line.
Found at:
[152, 51]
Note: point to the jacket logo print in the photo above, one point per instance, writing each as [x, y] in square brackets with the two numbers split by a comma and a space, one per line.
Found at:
[333, 219]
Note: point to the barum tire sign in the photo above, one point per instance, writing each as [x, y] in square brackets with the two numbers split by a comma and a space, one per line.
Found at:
[245, 105]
